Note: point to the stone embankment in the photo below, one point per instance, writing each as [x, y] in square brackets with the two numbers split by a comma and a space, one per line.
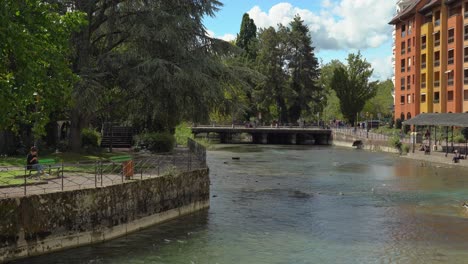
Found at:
[39, 224]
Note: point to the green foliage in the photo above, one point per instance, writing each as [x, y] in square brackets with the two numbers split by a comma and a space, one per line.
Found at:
[405, 148]
[352, 86]
[458, 139]
[331, 105]
[35, 73]
[90, 138]
[399, 123]
[382, 102]
[395, 142]
[183, 132]
[247, 37]
[156, 142]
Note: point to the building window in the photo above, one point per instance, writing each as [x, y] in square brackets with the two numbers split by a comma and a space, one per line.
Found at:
[403, 48]
[409, 45]
[436, 79]
[465, 33]
[408, 116]
[437, 39]
[423, 81]
[409, 98]
[402, 99]
[413, 78]
[403, 30]
[450, 96]
[423, 98]
[423, 42]
[465, 77]
[455, 11]
[403, 63]
[451, 56]
[423, 61]
[436, 97]
[408, 82]
[409, 64]
[465, 95]
[437, 59]
[466, 10]
[465, 58]
[450, 78]
[402, 84]
[451, 35]
[437, 18]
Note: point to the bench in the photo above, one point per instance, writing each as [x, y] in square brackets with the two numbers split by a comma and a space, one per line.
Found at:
[47, 164]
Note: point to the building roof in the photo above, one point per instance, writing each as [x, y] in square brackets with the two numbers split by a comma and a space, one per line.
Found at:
[430, 5]
[405, 12]
[450, 119]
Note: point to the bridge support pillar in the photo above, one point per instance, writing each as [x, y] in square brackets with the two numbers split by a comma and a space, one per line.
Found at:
[293, 138]
[264, 138]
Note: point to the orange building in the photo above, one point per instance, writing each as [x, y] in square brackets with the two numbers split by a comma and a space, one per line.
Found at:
[431, 57]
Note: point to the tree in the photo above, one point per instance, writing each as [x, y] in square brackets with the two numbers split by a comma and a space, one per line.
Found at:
[382, 102]
[35, 74]
[331, 105]
[247, 36]
[305, 92]
[271, 94]
[352, 86]
[156, 52]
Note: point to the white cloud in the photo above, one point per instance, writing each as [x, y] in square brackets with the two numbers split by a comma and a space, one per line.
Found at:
[382, 68]
[344, 24]
[225, 37]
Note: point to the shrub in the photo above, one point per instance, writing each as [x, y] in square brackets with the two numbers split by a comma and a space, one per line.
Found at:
[399, 123]
[90, 138]
[156, 142]
[395, 142]
[459, 139]
[405, 148]
[183, 132]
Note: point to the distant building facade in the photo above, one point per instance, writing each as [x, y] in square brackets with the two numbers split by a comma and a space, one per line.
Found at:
[430, 57]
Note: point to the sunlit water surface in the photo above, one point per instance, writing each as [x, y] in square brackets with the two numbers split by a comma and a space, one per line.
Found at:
[279, 204]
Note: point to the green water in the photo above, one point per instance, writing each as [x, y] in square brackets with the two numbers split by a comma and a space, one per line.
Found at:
[306, 205]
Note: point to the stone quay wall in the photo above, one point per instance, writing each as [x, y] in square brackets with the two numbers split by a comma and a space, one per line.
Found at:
[346, 140]
[38, 224]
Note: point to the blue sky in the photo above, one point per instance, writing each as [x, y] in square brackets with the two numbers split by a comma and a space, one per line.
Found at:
[337, 27]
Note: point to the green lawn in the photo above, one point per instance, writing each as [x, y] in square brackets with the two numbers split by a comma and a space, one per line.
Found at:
[14, 166]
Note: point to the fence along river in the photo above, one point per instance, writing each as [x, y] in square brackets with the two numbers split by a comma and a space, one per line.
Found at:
[298, 204]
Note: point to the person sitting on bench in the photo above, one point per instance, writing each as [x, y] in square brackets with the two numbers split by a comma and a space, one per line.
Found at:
[457, 156]
[33, 162]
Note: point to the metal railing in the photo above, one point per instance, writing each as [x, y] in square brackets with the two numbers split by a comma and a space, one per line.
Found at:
[14, 182]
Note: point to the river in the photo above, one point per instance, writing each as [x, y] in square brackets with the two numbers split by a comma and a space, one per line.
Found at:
[280, 204]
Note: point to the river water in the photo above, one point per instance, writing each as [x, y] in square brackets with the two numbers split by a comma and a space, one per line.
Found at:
[279, 204]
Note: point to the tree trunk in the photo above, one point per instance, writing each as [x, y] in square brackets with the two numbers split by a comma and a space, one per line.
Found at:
[77, 123]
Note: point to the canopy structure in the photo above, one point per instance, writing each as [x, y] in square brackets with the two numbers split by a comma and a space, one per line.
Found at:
[447, 120]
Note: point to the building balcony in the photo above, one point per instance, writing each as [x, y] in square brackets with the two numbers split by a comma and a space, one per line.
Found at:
[437, 23]
[423, 85]
[403, 51]
[402, 69]
[409, 86]
[437, 43]
[465, 80]
[437, 63]
[423, 46]
[409, 49]
[451, 39]
[423, 65]
[436, 83]
[449, 82]
[402, 88]
[466, 14]
[465, 58]
[450, 60]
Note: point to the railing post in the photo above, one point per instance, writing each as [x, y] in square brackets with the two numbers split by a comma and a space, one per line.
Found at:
[62, 175]
[25, 183]
[95, 174]
[100, 168]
